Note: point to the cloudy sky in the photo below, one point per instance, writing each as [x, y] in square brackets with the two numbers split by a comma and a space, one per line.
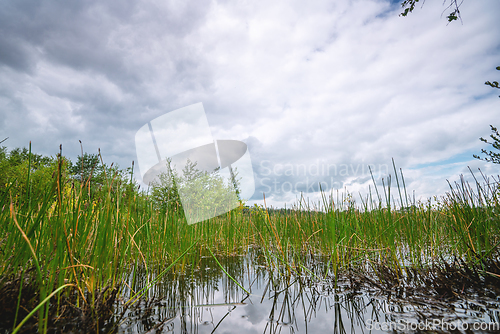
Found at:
[318, 90]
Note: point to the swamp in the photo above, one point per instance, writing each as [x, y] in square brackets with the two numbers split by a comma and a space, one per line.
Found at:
[84, 250]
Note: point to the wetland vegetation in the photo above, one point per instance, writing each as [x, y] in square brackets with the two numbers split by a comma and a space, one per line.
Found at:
[83, 249]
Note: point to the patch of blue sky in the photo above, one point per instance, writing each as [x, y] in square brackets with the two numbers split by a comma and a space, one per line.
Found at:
[462, 157]
[481, 96]
[393, 5]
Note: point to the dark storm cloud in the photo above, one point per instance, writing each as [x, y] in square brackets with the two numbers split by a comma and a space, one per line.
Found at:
[103, 38]
[116, 64]
[14, 53]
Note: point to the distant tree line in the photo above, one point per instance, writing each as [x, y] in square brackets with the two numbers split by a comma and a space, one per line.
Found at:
[24, 174]
[27, 175]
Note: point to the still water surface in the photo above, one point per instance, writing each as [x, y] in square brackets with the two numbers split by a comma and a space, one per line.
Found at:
[206, 300]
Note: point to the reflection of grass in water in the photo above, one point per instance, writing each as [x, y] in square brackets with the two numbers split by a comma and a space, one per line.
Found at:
[200, 297]
[94, 242]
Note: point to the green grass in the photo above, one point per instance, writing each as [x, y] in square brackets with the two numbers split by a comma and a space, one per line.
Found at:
[72, 237]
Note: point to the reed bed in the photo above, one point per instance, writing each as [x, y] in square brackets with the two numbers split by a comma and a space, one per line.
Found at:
[62, 248]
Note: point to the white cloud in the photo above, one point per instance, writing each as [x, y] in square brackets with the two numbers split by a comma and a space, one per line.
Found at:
[345, 82]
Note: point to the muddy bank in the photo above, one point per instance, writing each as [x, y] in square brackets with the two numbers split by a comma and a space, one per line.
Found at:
[65, 314]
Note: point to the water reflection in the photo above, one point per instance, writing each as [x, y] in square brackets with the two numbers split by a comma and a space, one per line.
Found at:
[205, 300]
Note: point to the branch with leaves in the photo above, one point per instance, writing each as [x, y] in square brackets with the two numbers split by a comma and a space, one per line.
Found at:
[409, 6]
[493, 84]
[493, 157]
[495, 136]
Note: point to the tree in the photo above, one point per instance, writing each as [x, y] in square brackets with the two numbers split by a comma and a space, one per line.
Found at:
[164, 190]
[26, 175]
[86, 167]
[93, 175]
[495, 136]
[409, 6]
[200, 194]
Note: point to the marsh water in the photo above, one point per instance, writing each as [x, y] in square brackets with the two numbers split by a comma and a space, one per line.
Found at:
[204, 299]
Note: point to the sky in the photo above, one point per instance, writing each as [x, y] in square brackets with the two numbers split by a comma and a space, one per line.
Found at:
[319, 90]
